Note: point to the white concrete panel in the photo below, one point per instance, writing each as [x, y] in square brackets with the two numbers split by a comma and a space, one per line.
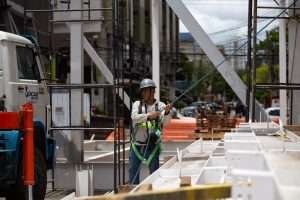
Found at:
[254, 185]
[82, 183]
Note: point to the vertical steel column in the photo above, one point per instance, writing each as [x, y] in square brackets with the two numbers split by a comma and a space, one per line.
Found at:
[24, 16]
[117, 77]
[249, 61]
[76, 77]
[131, 61]
[177, 45]
[253, 71]
[114, 16]
[155, 46]
[50, 42]
[142, 21]
[282, 65]
[127, 24]
[51, 134]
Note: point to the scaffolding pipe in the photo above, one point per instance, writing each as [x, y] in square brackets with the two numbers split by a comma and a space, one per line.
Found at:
[282, 3]
[69, 10]
[249, 63]
[115, 56]
[253, 71]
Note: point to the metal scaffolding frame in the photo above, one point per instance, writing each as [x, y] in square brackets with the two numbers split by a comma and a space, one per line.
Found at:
[120, 38]
[126, 53]
[253, 17]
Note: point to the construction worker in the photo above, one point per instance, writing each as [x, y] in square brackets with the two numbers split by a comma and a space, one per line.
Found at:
[148, 116]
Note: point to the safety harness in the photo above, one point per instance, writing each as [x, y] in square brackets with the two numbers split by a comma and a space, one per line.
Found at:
[154, 125]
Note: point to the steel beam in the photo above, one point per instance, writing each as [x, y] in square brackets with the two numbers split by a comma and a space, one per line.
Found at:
[213, 53]
[103, 68]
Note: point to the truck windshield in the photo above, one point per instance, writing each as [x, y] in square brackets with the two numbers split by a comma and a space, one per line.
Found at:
[27, 65]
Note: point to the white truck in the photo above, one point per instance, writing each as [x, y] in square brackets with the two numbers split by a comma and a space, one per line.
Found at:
[20, 82]
[20, 75]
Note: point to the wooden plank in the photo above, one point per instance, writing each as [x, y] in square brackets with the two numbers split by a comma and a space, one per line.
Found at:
[145, 188]
[125, 188]
[185, 181]
[293, 127]
[211, 135]
[203, 192]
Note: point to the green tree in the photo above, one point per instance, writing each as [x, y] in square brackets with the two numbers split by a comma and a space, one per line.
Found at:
[270, 47]
[262, 76]
[194, 71]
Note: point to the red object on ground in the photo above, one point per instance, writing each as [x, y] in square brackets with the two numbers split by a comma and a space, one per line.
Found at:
[119, 134]
[9, 120]
[28, 146]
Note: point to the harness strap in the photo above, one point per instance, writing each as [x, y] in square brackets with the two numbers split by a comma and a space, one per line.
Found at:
[148, 125]
[155, 150]
[140, 156]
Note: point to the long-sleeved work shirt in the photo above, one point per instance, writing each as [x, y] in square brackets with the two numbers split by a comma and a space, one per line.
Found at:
[140, 132]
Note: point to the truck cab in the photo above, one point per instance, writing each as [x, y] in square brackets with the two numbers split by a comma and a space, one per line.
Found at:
[21, 81]
[21, 75]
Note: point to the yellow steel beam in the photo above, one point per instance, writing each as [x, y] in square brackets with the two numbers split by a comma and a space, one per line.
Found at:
[203, 192]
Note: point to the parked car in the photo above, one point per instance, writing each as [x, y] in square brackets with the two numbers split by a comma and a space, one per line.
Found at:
[273, 113]
[189, 111]
[214, 107]
[201, 105]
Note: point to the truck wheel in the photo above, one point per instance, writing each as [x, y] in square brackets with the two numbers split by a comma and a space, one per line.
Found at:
[39, 188]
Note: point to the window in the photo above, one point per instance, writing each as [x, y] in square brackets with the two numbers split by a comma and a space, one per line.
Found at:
[27, 66]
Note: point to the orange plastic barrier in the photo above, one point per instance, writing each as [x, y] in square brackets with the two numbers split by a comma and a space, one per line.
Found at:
[179, 129]
[28, 146]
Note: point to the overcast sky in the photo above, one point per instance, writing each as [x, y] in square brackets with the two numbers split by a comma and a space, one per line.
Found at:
[215, 16]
